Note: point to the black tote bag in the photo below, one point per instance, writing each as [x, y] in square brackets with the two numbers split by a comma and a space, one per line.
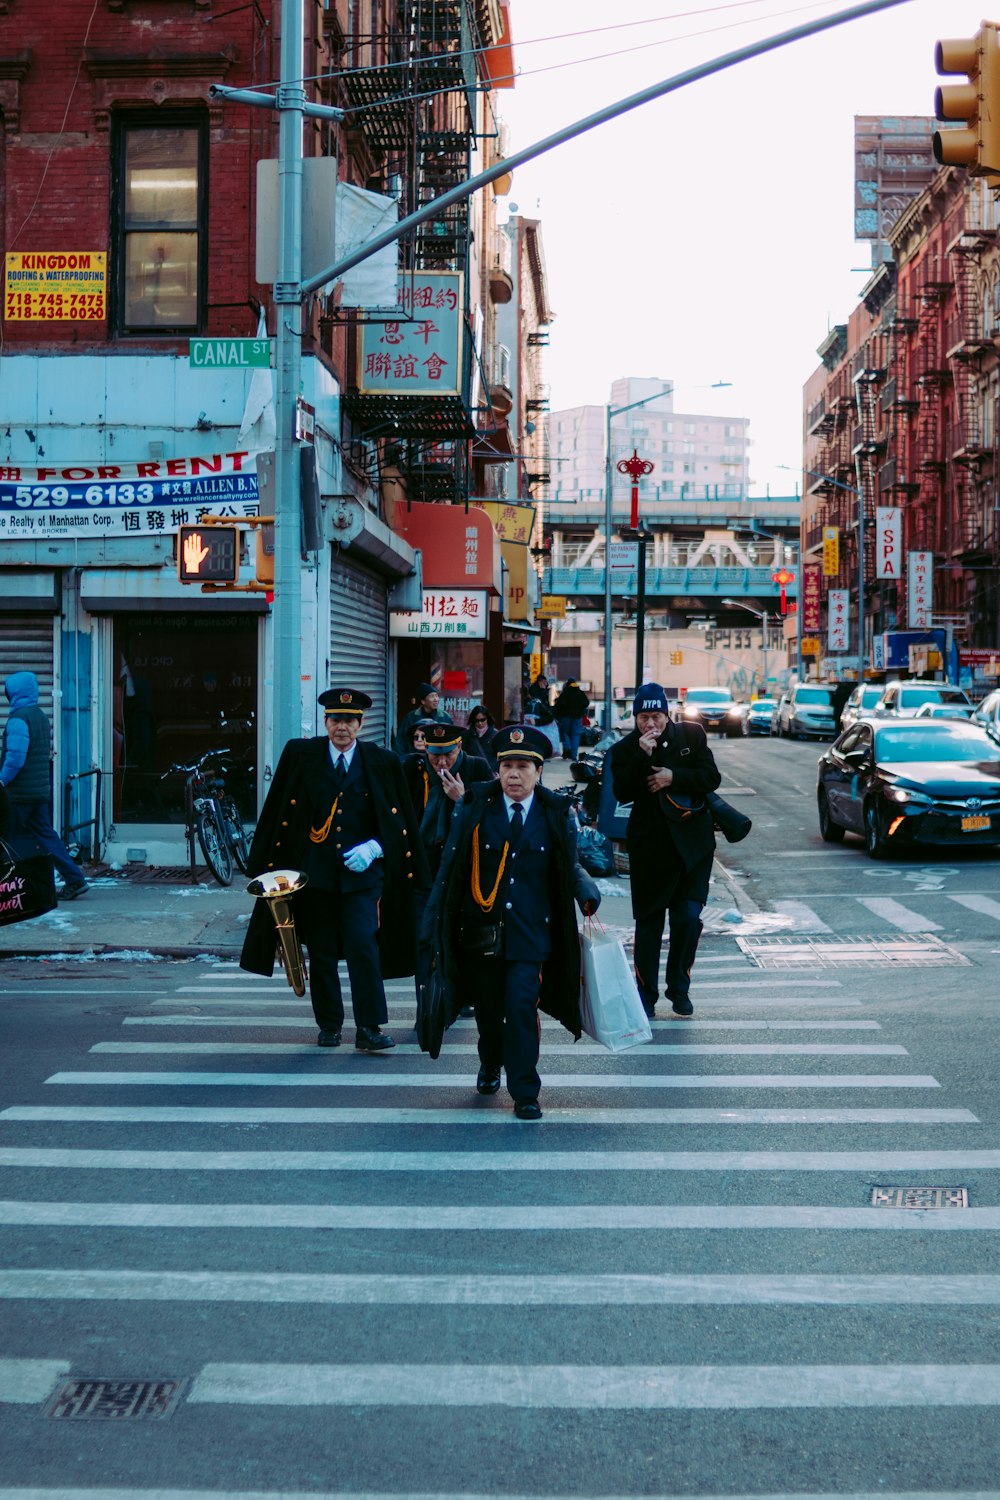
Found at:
[27, 881]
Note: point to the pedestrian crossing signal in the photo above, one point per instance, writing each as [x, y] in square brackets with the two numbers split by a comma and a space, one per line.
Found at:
[208, 554]
[677, 658]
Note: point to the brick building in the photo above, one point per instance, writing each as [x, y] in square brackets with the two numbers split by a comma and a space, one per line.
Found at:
[113, 150]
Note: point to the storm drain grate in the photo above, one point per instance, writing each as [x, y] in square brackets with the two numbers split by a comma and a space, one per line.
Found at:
[910, 951]
[168, 875]
[920, 1197]
[115, 1400]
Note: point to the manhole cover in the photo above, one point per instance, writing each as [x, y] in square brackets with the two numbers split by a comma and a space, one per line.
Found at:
[168, 875]
[910, 951]
[920, 1197]
[115, 1399]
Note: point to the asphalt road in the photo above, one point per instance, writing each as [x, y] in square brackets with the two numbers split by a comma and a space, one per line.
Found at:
[365, 1280]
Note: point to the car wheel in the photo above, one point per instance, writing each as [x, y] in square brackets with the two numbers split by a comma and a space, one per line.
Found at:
[829, 831]
[875, 842]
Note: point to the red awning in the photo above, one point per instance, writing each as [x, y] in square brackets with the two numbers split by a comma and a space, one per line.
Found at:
[498, 61]
[493, 445]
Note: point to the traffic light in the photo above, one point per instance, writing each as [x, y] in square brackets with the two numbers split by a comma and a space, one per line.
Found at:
[977, 102]
[208, 554]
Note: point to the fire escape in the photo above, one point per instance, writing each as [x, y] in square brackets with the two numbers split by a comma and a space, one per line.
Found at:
[899, 403]
[412, 91]
[932, 378]
[967, 343]
[870, 368]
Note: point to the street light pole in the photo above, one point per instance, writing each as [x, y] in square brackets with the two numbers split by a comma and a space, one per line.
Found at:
[762, 616]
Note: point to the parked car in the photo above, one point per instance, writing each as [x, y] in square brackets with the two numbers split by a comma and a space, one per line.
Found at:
[987, 714]
[900, 700]
[944, 711]
[712, 708]
[914, 781]
[757, 716]
[780, 708]
[807, 710]
[861, 703]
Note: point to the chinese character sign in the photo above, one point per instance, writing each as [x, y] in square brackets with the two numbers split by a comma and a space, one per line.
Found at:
[888, 542]
[838, 625]
[831, 551]
[512, 523]
[919, 589]
[421, 353]
[811, 592]
[445, 612]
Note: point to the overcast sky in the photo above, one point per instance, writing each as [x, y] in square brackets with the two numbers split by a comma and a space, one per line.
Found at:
[710, 235]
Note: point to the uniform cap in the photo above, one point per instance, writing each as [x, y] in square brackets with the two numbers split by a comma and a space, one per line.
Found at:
[521, 742]
[343, 702]
[442, 737]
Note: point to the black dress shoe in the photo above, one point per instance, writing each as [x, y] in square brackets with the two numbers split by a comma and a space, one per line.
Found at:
[370, 1039]
[527, 1109]
[682, 1007]
[329, 1038]
[488, 1081]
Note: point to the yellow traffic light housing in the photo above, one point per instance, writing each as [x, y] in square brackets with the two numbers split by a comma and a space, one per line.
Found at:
[977, 103]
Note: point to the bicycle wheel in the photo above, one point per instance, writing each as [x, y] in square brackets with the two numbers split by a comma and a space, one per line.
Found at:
[236, 834]
[213, 844]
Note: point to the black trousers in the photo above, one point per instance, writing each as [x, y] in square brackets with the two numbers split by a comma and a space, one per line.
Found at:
[506, 1002]
[335, 926]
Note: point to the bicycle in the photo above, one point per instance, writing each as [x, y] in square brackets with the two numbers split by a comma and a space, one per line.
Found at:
[212, 814]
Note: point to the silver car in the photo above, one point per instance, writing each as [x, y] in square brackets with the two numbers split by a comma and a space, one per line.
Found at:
[808, 712]
[987, 714]
[860, 704]
[900, 700]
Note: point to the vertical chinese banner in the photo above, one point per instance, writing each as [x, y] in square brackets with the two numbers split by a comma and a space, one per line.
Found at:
[888, 542]
[919, 589]
[838, 625]
[811, 597]
[831, 551]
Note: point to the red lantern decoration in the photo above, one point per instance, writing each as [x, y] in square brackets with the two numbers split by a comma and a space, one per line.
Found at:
[782, 577]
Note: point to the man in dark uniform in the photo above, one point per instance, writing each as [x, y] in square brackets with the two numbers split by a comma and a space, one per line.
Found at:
[339, 810]
[502, 913]
[664, 770]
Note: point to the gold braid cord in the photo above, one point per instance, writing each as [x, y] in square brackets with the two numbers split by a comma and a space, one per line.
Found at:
[485, 903]
[427, 785]
[320, 835]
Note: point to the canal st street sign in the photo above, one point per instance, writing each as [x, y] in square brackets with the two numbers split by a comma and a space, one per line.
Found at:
[230, 354]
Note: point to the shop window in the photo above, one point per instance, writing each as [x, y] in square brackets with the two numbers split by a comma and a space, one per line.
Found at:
[159, 239]
[184, 684]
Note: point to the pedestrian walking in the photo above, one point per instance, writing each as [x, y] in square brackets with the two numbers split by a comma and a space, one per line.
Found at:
[339, 811]
[25, 772]
[479, 735]
[427, 707]
[507, 945]
[569, 709]
[664, 770]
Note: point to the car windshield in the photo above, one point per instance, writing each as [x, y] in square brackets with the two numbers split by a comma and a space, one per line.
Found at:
[761, 703]
[912, 697]
[708, 695]
[941, 741]
[869, 696]
[814, 695]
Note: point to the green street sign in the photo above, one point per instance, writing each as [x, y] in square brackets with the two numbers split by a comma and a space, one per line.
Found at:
[230, 354]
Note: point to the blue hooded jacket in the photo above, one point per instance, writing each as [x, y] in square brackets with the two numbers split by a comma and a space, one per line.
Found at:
[26, 741]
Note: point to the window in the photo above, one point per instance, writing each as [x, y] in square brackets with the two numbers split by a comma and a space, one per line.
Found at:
[160, 217]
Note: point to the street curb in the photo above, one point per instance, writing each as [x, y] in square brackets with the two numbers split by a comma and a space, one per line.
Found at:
[742, 901]
[100, 950]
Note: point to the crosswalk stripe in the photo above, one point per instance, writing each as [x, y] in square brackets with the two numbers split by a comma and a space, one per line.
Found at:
[803, 918]
[189, 1114]
[898, 915]
[65, 1492]
[406, 1218]
[743, 986]
[659, 1049]
[691, 1023]
[599, 1387]
[733, 999]
[982, 904]
[386, 1078]
[29, 1380]
[888, 1162]
[596, 1290]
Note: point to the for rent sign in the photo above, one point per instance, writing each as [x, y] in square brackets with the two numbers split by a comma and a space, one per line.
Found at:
[111, 499]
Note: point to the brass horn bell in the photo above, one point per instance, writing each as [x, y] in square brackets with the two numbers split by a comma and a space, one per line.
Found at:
[277, 887]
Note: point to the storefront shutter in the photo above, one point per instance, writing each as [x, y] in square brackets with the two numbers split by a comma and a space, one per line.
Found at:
[359, 639]
[26, 646]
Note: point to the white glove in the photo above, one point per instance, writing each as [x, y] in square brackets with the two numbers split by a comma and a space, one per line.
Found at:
[361, 856]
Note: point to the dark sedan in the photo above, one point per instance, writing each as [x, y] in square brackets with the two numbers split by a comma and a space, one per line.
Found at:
[712, 708]
[927, 781]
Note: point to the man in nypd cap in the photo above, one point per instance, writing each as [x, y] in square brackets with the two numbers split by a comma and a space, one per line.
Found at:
[502, 916]
[339, 811]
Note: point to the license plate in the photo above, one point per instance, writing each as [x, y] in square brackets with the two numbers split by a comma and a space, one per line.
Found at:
[974, 824]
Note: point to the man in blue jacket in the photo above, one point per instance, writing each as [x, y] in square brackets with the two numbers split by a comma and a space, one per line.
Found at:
[26, 775]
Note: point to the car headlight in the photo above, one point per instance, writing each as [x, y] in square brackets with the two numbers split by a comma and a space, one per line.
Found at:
[734, 712]
[903, 794]
[691, 710]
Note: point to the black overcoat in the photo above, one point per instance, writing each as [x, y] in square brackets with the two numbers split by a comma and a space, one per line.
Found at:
[655, 845]
[560, 991]
[298, 799]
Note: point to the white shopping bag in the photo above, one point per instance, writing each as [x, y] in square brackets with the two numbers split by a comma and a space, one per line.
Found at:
[611, 1009]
